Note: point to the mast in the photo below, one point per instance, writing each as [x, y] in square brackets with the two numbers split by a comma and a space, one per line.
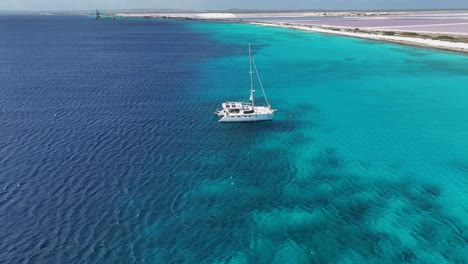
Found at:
[251, 98]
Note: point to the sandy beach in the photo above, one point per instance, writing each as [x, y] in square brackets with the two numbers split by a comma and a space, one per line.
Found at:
[446, 30]
[414, 41]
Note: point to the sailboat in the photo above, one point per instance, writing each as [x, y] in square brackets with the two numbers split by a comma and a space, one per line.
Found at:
[247, 111]
[98, 15]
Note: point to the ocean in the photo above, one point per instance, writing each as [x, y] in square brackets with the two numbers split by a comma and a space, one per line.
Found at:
[110, 152]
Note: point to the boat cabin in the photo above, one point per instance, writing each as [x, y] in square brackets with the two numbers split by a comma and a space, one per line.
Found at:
[236, 107]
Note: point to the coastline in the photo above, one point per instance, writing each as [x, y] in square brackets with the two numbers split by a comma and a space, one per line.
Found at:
[433, 40]
[461, 47]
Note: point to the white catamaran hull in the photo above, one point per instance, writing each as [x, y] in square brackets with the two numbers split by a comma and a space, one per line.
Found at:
[246, 118]
[243, 111]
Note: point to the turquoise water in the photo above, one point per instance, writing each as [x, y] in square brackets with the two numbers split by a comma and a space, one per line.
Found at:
[110, 152]
[366, 161]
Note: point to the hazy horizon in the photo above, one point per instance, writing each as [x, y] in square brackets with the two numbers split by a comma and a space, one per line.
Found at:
[201, 5]
[228, 10]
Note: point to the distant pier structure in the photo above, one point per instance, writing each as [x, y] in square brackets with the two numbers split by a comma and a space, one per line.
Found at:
[98, 15]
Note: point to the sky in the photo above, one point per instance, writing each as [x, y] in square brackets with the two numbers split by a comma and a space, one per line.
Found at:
[32, 5]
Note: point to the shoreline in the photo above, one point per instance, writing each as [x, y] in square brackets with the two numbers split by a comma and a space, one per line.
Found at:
[460, 47]
[429, 40]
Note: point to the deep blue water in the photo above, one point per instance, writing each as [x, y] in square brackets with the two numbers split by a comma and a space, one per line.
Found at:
[109, 151]
[94, 122]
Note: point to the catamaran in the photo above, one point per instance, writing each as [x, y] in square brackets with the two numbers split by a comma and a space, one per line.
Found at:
[247, 111]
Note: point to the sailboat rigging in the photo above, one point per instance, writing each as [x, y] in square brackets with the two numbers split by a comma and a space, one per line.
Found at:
[247, 111]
